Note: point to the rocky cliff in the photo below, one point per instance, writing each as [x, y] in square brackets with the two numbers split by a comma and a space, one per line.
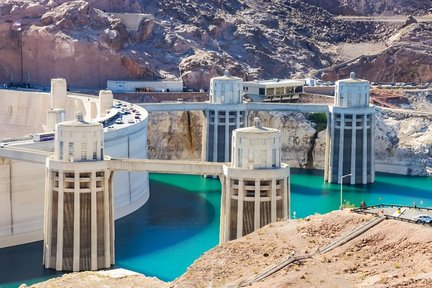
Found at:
[87, 43]
[403, 137]
[373, 7]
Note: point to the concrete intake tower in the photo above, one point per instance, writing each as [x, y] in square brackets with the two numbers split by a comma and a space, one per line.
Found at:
[225, 113]
[351, 134]
[256, 190]
[79, 221]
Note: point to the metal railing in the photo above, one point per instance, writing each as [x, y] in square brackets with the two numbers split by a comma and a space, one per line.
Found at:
[366, 211]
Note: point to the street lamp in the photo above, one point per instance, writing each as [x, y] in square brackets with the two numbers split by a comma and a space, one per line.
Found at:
[341, 191]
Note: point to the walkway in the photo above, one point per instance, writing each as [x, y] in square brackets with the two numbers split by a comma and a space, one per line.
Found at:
[24, 154]
[251, 106]
[167, 166]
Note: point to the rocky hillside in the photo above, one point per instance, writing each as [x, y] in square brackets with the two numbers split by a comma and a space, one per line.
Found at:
[373, 7]
[407, 58]
[391, 254]
[403, 137]
[195, 40]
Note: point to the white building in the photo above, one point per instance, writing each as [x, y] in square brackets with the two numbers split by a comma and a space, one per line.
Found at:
[79, 220]
[273, 90]
[144, 86]
[256, 184]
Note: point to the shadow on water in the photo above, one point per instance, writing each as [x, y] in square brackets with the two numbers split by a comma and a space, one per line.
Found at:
[170, 216]
[23, 264]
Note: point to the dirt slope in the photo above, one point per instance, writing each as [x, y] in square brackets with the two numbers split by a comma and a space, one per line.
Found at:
[391, 254]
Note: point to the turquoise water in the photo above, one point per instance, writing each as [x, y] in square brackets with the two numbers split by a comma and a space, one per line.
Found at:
[181, 221]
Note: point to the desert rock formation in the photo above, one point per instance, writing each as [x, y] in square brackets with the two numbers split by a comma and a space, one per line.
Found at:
[84, 42]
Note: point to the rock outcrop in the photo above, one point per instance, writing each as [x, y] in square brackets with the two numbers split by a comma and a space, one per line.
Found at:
[403, 137]
[192, 40]
[399, 63]
[372, 7]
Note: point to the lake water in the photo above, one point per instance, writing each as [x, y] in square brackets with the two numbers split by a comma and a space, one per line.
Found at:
[181, 221]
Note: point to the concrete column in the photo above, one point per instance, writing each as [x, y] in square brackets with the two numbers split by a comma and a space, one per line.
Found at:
[107, 219]
[227, 138]
[222, 224]
[76, 244]
[111, 216]
[227, 204]
[237, 119]
[288, 192]
[372, 127]
[285, 198]
[240, 208]
[257, 214]
[48, 217]
[205, 136]
[273, 200]
[327, 149]
[93, 221]
[365, 155]
[59, 256]
[353, 149]
[215, 135]
[331, 142]
[341, 147]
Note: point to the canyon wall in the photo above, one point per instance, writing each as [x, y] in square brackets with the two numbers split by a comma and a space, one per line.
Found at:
[403, 139]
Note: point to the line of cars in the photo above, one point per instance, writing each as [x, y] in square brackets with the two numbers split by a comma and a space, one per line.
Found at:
[126, 110]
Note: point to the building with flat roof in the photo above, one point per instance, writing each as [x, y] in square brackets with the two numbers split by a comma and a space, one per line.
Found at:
[273, 90]
[120, 86]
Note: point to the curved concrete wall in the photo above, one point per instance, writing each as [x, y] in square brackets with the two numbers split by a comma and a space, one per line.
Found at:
[23, 113]
[131, 189]
[22, 186]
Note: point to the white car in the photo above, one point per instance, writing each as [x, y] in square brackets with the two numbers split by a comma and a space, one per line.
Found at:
[422, 219]
[119, 121]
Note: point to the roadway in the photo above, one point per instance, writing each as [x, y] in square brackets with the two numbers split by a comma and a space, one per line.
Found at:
[250, 106]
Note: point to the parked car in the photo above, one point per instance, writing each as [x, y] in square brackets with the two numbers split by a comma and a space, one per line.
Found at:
[130, 121]
[119, 121]
[422, 219]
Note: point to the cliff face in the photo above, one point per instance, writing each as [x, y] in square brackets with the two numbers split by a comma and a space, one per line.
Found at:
[175, 135]
[403, 138]
[85, 43]
[372, 7]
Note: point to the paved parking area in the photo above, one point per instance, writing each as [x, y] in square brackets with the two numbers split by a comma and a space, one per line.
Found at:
[396, 212]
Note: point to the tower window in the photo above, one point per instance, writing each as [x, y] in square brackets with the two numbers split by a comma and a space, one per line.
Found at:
[61, 150]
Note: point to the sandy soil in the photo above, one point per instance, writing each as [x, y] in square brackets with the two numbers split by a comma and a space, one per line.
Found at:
[348, 51]
[391, 254]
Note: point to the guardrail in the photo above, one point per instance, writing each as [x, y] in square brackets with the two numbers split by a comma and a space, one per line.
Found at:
[366, 211]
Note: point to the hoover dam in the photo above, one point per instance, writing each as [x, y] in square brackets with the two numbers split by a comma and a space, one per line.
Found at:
[23, 183]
